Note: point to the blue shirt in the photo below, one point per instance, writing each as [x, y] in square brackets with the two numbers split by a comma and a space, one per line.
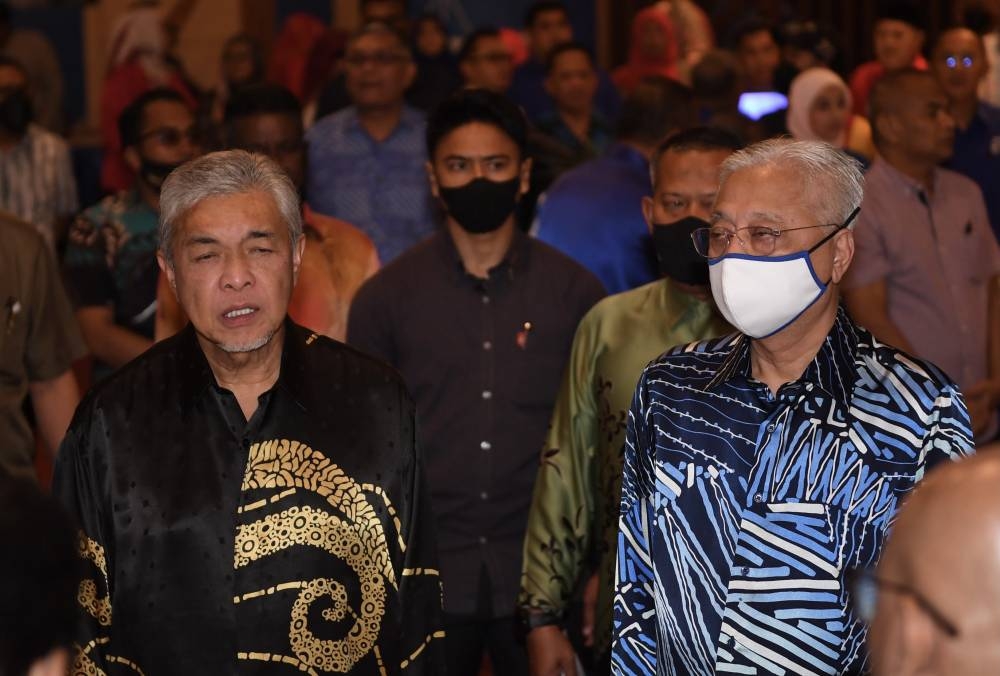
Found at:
[380, 187]
[977, 155]
[528, 90]
[742, 511]
[593, 214]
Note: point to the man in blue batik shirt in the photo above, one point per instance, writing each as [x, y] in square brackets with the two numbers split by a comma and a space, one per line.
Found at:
[761, 467]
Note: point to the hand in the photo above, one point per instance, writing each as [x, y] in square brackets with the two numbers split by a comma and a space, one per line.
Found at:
[550, 652]
[981, 400]
[589, 610]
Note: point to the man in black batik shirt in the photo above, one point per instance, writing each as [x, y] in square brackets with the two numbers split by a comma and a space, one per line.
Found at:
[248, 492]
[479, 320]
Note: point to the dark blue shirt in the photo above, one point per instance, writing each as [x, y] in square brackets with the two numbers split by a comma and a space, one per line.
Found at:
[743, 510]
[593, 214]
[528, 90]
[977, 155]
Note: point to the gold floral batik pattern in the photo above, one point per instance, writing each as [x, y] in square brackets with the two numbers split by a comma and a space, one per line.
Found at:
[350, 531]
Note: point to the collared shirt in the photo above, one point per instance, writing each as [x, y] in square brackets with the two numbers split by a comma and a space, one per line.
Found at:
[937, 255]
[527, 89]
[39, 337]
[36, 181]
[483, 359]
[742, 510]
[217, 545]
[977, 155]
[380, 187]
[599, 135]
[575, 505]
[594, 215]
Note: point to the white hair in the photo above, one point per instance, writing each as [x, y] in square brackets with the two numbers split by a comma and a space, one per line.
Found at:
[227, 172]
[833, 178]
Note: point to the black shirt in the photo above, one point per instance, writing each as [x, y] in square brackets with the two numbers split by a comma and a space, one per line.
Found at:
[483, 359]
[215, 544]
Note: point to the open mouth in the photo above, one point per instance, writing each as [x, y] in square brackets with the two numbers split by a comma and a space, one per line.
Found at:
[236, 313]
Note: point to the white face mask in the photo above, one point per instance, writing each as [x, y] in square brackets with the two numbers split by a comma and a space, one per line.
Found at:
[761, 295]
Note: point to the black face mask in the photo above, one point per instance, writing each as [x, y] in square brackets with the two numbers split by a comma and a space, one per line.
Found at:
[16, 112]
[481, 205]
[676, 253]
[154, 174]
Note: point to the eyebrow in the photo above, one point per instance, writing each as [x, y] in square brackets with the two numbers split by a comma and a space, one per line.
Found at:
[207, 240]
[771, 216]
[498, 156]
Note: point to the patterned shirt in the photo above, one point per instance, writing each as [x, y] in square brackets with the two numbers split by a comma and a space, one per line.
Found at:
[381, 187]
[36, 181]
[742, 510]
[579, 481]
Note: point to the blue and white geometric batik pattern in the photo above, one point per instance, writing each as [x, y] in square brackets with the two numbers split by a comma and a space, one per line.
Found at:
[741, 511]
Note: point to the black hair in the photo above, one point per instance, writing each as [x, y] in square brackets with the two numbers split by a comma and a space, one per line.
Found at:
[703, 138]
[656, 107]
[470, 42]
[131, 118]
[902, 10]
[541, 7]
[572, 46]
[751, 26]
[262, 98]
[716, 75]
[477, 105]
[40, 569]
[434, 18]
[380, 28]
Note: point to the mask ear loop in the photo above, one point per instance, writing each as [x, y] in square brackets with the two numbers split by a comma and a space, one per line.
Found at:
[826, 239]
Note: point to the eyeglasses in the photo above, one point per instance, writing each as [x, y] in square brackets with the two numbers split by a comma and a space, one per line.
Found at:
[359, 59]
[864, 586]
[759, 240]
[954, 61]
[171, 136]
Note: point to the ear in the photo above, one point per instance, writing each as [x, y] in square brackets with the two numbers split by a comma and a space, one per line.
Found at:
[525, 177]
[132, 158]
[167, 269]
[843, 254]
[433, 179]
[297, 252]
[647, 212]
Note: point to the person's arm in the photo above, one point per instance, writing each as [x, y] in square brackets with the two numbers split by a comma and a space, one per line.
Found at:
[560, 521]
[869, 307]
[369, 325]
[634, 630]
[54, 401]
[112, 344]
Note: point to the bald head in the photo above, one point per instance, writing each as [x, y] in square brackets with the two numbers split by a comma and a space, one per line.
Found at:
[945, 545]
[959, 63]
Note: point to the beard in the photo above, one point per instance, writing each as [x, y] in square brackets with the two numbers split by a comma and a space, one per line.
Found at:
[255, 344]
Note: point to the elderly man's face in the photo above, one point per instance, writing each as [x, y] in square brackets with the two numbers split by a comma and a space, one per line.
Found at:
[778, 198]
[489, 66]
[234, 269]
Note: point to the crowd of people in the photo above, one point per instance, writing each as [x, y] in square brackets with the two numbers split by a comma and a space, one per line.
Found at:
[403, 353]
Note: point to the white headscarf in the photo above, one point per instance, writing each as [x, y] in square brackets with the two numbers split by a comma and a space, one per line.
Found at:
[805, 88]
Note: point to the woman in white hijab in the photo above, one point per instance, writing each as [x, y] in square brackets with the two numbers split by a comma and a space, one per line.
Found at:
[819, 109]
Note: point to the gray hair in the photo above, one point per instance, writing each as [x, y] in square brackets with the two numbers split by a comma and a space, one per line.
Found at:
[833, 177]
[227, 172]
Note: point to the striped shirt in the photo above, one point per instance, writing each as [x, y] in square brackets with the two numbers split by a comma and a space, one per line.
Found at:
[742, 510]
[36, 181]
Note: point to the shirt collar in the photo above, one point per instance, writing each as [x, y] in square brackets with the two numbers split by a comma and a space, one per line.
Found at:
[833, 369]
[904, 182]
[408, 119]
[515, 260]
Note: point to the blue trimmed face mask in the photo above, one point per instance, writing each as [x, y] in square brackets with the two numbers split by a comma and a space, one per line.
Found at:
[761, 295]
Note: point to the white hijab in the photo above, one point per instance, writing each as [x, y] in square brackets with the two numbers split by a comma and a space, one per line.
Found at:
[805, 88]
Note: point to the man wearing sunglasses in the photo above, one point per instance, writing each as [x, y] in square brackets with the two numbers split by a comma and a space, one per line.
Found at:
[111, 255]
[759, 468]
[933, 605]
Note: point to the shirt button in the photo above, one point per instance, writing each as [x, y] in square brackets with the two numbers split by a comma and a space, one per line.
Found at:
[758, 498]
[484, 496]
[746, 571]
[486, 300]
[482, 539]
[485, 445]
[487, 394]
[487, 345]
[770, 428]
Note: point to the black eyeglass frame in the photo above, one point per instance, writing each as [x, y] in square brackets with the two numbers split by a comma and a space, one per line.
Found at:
[858, 576]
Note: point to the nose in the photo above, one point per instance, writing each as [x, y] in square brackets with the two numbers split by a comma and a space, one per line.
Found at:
[236, 273]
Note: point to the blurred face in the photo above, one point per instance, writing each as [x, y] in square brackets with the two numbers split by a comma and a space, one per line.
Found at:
[759, 55]
[921, 125]
[431, 40]
[897, 43]
[234, 269]
[477, 150]
[959, 63]
[828, 114]
[12, 78]
[572, 83]
[390, 12]
[489, 66]
[238, 65]
[378, 70]
[686, 185]
[652, 41]
[549, 30]
[167, 135]
[279, 137]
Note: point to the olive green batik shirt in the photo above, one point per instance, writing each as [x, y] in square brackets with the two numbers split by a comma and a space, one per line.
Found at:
[574, 511]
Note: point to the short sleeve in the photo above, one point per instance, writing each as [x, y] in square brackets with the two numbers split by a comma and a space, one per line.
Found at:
[54, 339]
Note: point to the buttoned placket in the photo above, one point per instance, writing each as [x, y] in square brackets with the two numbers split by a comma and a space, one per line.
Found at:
[488, 356]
